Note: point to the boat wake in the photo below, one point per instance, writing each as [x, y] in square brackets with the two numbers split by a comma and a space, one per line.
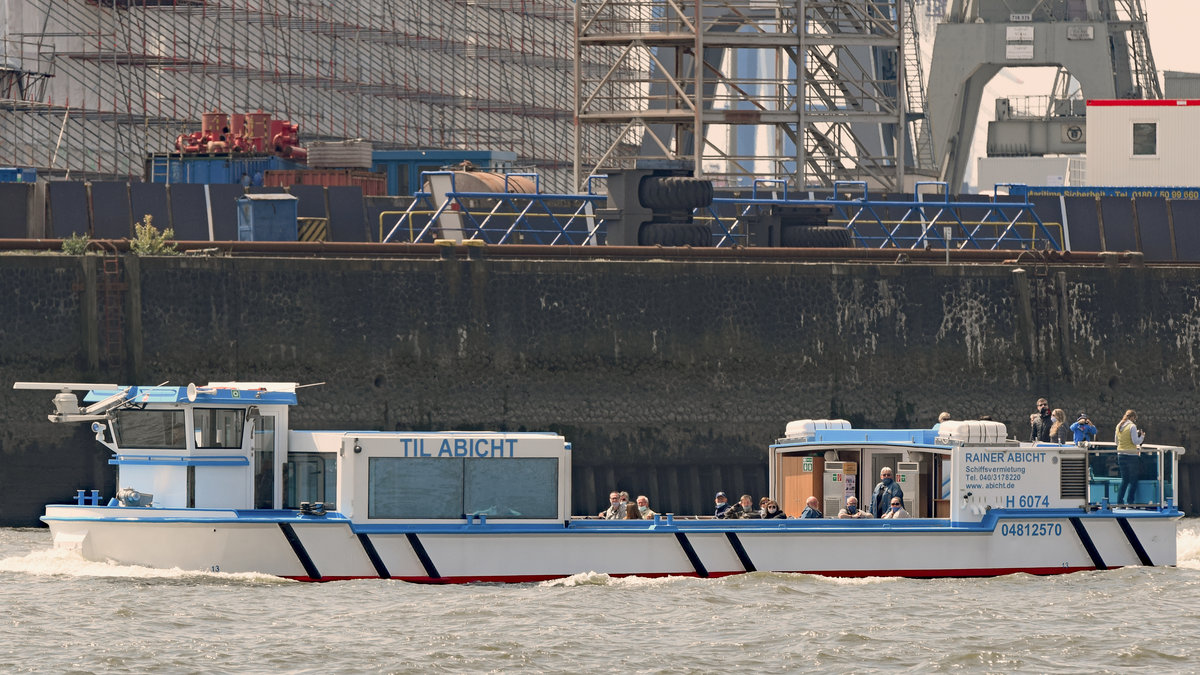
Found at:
[63, 562]
[1187, 544]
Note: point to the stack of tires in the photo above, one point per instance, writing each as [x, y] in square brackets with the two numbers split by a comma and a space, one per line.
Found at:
[672, 199]
[802, 227]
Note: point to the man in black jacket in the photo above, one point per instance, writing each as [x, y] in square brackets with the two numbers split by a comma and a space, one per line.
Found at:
[1040, 422]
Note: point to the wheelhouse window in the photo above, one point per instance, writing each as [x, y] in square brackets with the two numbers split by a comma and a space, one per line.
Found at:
[149, 429]
[218, 427]
[449, 488]
[1145, 138]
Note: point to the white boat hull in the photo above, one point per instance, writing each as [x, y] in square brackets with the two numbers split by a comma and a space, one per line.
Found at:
[332, 548]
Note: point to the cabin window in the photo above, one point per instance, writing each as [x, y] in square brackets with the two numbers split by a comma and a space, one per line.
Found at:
[449, 488]
[401, 487]
[218, 428]
[1145, 138]
[512, 488]
[150, 429]
[309, 477]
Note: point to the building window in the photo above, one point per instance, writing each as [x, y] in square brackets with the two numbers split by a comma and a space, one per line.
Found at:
[1145, 138]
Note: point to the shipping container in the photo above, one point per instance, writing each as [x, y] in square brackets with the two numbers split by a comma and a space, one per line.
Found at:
[17, 175]
[1143, 142]
[267, 217]
[248, 170]
[404, 167]
[372, 184]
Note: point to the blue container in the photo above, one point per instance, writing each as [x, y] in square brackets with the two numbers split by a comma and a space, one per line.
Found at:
[17, 175]
[404, 167]
[267, 217]
[229, 170]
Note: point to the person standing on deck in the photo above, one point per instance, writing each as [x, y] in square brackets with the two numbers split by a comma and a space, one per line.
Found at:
[1129, 441]
[1084, 429]
[887, 488]
[1039, 422]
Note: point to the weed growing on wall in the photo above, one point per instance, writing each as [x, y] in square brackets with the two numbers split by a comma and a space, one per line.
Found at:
[149, 241]
[76, 244]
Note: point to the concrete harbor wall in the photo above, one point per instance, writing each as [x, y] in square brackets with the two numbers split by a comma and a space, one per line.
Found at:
[670, 378]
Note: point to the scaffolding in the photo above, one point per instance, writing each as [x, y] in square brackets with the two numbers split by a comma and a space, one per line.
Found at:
[92, 87]
[811, 91]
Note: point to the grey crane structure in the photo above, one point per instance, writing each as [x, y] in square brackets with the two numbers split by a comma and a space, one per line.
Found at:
[1102, 44]
[811, 91]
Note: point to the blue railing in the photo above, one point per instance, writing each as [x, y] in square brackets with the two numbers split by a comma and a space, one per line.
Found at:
[926, 221]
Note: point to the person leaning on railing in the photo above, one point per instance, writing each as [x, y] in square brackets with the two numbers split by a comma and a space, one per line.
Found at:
[1129, 441]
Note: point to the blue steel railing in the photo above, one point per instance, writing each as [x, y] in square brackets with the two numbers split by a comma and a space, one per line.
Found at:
[569, 219]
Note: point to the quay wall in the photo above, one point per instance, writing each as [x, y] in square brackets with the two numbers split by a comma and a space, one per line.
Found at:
[670, 378]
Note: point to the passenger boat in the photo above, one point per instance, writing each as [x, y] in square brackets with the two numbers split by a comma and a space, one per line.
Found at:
[212, 479]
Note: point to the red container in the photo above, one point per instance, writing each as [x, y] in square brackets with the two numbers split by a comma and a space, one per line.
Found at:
[372, 184]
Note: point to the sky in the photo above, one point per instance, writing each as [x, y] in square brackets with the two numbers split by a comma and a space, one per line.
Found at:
[1172, 26]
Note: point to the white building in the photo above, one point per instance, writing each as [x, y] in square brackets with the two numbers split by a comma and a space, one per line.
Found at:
[1143, 142]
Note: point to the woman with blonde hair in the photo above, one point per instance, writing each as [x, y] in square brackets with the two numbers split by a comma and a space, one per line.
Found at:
[1059, 432]
[1129, 441]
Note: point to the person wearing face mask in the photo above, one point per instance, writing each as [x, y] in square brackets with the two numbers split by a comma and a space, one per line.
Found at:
[721, 505]
[895, 510]
[616, 510]
[885, 491]
[643, 505]
[1039, 422]
[1059, 431]
[771, 510]
[851, 510]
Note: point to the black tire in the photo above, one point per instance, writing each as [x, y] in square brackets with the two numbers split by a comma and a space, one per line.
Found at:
[818, 236]
[675, 234]
[675, 193]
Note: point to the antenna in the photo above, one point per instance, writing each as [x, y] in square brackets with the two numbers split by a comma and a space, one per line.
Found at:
[63, 386]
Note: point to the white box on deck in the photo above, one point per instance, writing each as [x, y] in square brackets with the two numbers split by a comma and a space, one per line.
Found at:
[808, 428]
[973, 432]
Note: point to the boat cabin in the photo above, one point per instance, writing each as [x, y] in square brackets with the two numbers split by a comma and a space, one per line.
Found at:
[227, 446]
[959, 472]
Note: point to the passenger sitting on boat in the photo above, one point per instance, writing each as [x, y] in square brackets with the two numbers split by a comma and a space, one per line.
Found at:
[896, 510]
[944, 417]
[885, 491]
[643, 505]
[771, 510]
[851, 510]
[811, 509]
[743, 509]
[722, 505]
[616, 510]
[631, 509]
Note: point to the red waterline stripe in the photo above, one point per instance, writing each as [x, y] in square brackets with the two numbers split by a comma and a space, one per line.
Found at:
[911, 574]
